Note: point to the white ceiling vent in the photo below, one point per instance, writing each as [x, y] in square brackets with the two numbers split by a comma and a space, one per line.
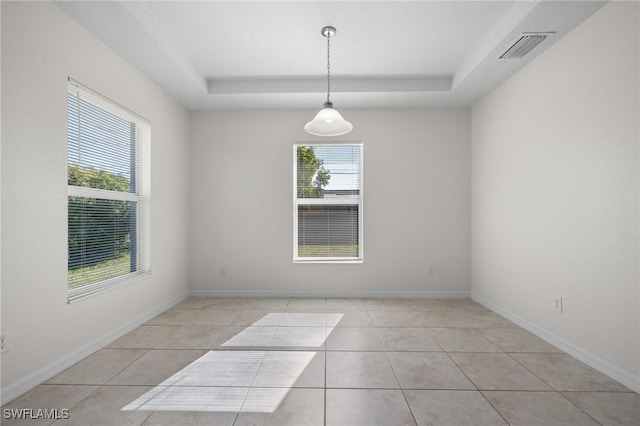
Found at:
[525, 44]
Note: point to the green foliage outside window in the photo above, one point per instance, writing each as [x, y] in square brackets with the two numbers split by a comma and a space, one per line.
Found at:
[99, 229]
[312, 176]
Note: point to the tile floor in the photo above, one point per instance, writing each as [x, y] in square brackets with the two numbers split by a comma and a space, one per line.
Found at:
[248, 361]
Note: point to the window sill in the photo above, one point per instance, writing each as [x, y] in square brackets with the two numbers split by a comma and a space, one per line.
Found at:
[332, 261]
[90, 290]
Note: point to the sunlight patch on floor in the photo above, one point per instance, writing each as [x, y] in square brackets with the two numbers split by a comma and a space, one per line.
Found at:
[244, 380]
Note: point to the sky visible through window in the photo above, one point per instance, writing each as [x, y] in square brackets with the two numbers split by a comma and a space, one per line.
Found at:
[343, 164]
[101, 140]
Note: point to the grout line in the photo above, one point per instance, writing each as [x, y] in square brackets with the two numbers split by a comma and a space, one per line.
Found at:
[235, 418]
[462, 371]
[325, 383]
[509, 354]
[335, 388]
[578, 407]
[83, 399]
[493, 406]
[249, 388]
[147, 418]
[393, 370]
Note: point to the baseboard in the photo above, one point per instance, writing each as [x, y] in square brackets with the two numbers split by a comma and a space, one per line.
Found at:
[625, 377]
[332, 294]
[36, 378]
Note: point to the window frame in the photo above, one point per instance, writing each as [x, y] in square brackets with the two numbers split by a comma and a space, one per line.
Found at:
[141, 194]
[357, 200]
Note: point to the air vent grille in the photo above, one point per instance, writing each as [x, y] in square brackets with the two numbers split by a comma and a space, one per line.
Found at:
[525, 44]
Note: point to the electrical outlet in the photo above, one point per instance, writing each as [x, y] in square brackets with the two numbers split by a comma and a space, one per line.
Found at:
[4, 342]
[557, 304]
[431, 271]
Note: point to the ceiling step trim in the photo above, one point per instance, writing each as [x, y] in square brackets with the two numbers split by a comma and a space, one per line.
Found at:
[319, 85]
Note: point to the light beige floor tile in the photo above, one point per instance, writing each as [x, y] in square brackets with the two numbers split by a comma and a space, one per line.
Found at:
[60, 397]
[487, 319]
[156, 366]
[198, 337]
[282, 407]
[143, 337]
[462, 317]
[277, 338]
[407, 339]
[443, 318]
[189, 399]
[355, 319]
[463, 304]
[291, 369]
[460, 305]
[249, 337]
[277, 304]
[367, 407]
[388, 304]
[565, 373]
[251, 316]
[359, 370]
[308, 319]
[459, 318]
[299, 338]
[354, 339]
[104, 408]
[517, 340]
[497, 371]
[219, 368]
[253, 303]
[175, 317]
[298, 304]
[447, 305]
[215, 317]
[427, 370]
[98, 368]
[272, 319]
[609, 408]
[334, 318]
[345, 305]
[452, 408]
[422, 304]
[389, 318]
[234, 303]
[462, 340]
[191, 418]
[538, 409]
[195, 303]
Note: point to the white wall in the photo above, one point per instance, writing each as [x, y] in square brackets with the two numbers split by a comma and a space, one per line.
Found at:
[555, 191]
[416, 203]
[41, 47]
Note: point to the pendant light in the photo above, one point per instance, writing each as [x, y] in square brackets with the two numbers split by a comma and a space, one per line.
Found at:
[328, 121]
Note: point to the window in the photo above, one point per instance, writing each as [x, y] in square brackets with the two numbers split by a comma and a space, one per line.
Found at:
[327, 194]
[108, 193]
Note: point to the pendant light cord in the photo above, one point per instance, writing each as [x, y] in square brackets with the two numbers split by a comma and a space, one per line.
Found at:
[328, 69]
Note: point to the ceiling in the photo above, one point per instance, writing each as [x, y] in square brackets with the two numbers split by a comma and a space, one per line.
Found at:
[271, 55]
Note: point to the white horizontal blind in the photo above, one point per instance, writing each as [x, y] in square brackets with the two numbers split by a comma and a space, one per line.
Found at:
[108, 192]
[328, 203]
